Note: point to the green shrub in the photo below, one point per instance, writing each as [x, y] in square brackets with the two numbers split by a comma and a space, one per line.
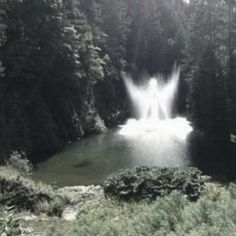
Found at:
[19, 162]
[25, 194]
[20, 192]
[54, 207]
[110, 217]
[214, 214]
[149, 183]
[9, 222]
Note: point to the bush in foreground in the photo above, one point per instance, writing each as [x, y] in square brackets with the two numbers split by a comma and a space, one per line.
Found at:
[25, 194]
[9, 222]
[173, 215]
[149, 183]
[20, 192]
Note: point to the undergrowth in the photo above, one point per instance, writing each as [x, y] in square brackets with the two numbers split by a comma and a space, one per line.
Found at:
[24, 194]
[214, 214]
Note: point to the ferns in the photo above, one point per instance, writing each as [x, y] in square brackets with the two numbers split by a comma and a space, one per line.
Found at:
[9, 223]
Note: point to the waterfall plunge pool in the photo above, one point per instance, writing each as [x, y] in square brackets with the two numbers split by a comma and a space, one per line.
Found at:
[90, 160]
[155, 138]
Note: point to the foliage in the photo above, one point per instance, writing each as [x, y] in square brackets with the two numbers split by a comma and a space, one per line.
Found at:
[213, 214]
[55, 207]
[208, 66]
[9, 222]
[25, 194]
[149, 183]
[159, 27]
[109, 217]
[22, 193]
[19, 162]
[232, 96]
[60, 64]
[50, 68]
[208, 98]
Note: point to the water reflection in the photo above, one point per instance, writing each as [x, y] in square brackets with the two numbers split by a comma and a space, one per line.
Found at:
[214, 157]
[90, 160]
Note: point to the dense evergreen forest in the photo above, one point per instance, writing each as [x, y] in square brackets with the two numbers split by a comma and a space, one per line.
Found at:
[61, 64]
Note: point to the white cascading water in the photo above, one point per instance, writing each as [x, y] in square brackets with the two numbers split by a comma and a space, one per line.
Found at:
[155, 132]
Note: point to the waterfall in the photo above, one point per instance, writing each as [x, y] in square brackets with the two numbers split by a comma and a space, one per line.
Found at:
[154, 100]
[153, 104]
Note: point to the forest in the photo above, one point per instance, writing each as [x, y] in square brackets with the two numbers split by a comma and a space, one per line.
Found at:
[61, 64]
[74, 74]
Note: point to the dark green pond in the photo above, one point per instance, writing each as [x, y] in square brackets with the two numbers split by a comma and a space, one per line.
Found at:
[90, 160]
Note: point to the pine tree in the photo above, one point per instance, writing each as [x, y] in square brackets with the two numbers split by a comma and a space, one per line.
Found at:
[115, 24]
[2, 33]
[208, 98]
[110, 26]
[50, 62]
[2, 24]
[90, 63]
[156, 37]
[232, 62]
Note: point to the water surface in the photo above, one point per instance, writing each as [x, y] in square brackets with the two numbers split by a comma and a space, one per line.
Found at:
[90, 160]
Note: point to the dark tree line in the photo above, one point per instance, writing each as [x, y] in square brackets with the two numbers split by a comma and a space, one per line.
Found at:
[209, 66]
[60, 65]
[50, 65]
